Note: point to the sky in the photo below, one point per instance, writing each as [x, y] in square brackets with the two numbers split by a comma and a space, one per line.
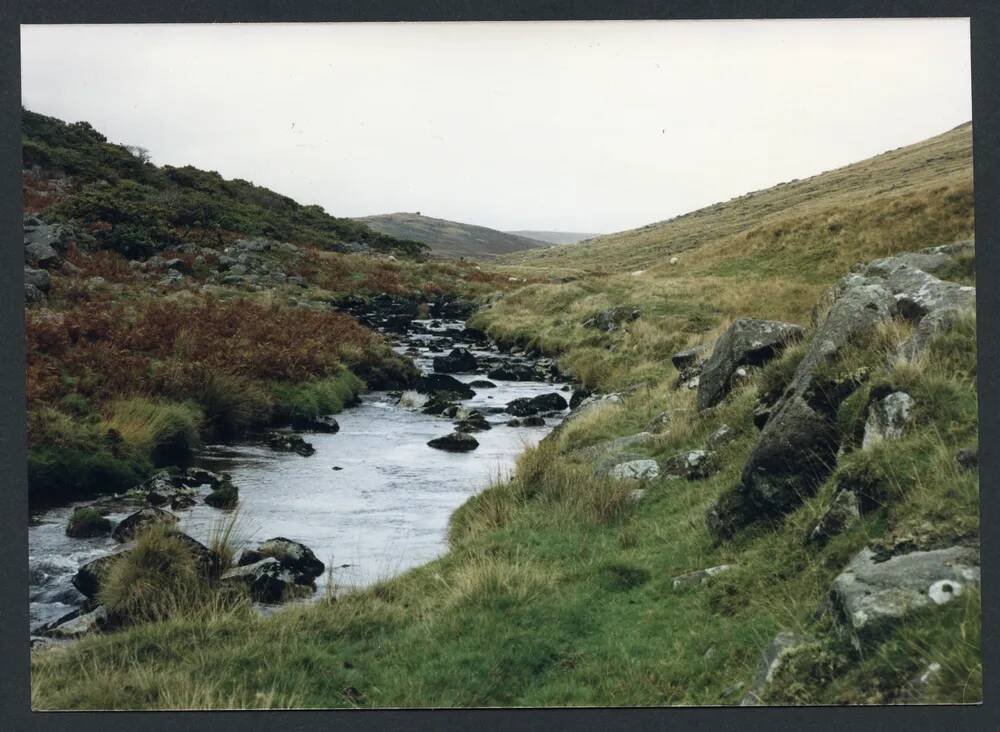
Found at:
[575, 126]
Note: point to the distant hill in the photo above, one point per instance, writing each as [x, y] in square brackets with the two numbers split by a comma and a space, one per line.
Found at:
[450, 238]
[555, 237]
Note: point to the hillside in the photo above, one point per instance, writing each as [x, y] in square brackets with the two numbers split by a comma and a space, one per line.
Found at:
[829, 213]
[73, 172]
[450, 238]
[769, 254]
[555, 237]
[744, 511]
[169, 305]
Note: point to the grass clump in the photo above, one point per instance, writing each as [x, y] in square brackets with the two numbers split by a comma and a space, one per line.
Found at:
[87, 522]
[164, 431]
[315, 398]
[161, 577]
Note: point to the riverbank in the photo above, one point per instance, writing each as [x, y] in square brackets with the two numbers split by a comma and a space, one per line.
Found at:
[371, 500]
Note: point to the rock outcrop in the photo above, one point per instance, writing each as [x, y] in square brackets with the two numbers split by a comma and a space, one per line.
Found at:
[870, 596]
[747, 342]
[798, 445]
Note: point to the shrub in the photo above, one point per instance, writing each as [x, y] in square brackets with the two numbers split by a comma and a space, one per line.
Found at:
[87, 522]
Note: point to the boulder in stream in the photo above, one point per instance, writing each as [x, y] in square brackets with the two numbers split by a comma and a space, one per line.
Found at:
[292, 555]
[139, 521]
[455, 442]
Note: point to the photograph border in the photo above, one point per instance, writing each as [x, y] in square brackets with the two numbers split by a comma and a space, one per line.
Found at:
[14, 645]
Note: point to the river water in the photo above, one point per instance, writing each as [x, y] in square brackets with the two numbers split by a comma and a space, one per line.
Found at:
[373, 501]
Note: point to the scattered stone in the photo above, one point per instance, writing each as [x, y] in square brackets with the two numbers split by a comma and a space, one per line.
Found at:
[636, 470]
[482, 384]
[747, 342]
[225, 496]
[443, 385]
[968, 458]
[323, 423]
[887, 418]
[459, 360]
[593, 403]
[722, 436]
[842, 513]
[690, 465]
[38, 277]
[612, 319]
[194, 477]
[512, 372]
[32, 295]
[293, 555]
[578, 396]
[89, 576]
[455, 442]
[615, 445]
[700, 577]
[659, 422]
[687, 358]
[474, 422]
[41, 254]
[289, 442]
[80, 625]
[267, 580]
[140, 521]
[784, 645]
[526, 406]
[870, 597]
[87, 523]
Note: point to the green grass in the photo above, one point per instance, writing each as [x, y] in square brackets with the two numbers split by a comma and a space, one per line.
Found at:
[558, 590]
[315, 398]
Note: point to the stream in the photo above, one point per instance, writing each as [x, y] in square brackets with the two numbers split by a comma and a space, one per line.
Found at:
[373, 501]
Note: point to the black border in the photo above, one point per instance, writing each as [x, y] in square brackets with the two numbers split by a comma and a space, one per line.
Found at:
[14, 682]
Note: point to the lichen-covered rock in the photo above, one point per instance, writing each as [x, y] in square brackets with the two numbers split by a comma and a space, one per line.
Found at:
[841, 514]
[798, 445]
[267, 580]
[293, 555]
[690, 465]
[84, 623]
[721, 437]
[700, 576]
[870, 597]
[615, 445]
[612, 319]
[635, 470]
[747, 342]
[688, 357]
[140, 521]
[887, 417]
[784, 645]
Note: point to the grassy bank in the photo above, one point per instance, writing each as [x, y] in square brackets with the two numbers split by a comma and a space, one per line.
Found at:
[558, 588]
[768, 254]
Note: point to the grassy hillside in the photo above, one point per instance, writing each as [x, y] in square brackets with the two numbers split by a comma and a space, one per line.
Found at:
[559, 585]
[450, 238]
[137, 208]
[767, 254]
[555, 237]
[176, 305]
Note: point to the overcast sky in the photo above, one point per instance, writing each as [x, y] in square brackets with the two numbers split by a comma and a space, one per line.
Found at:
[577, 126]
